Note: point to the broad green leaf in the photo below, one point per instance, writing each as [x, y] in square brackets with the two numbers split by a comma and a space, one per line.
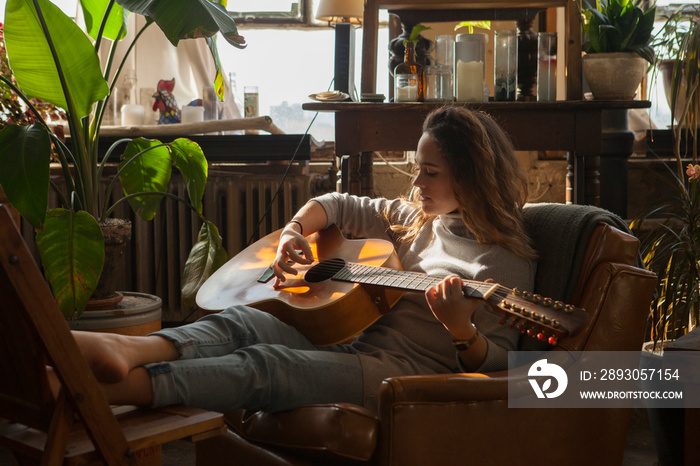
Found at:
[185, 19]
[94, 11]
[189, 159]
[72, 253]
[32, 62]
[149, 171]
[25, 153]
[206, 256]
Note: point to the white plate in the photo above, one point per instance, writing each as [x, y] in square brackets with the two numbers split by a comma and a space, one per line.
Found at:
[330, 96]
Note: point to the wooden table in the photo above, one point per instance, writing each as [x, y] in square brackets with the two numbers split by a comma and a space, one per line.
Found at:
[587, 129]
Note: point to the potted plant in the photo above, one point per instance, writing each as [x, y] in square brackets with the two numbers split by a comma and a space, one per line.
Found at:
[672, 249]
[618, 47]
[54, 60]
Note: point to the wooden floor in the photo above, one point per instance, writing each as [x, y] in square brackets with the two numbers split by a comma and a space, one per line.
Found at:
[640, 449]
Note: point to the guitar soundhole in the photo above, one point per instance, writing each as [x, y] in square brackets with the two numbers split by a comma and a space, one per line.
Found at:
[324, 270]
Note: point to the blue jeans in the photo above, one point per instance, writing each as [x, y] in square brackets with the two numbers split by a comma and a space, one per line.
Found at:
[245, 358]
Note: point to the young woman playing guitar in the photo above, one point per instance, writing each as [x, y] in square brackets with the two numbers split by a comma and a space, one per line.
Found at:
[462, 221]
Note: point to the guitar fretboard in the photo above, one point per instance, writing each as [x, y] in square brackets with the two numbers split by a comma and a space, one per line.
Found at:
[403, 280]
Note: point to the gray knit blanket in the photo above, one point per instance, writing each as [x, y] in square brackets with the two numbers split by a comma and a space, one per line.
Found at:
[560, 234]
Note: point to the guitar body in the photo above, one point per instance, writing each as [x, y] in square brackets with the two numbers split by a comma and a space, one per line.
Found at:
[326, 312]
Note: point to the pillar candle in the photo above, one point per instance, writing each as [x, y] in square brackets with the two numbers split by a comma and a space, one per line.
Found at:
[470, 81]
[133, 115]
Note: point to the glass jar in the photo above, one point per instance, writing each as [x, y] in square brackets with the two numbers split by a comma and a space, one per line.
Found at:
[470, 50]
[547, 66]
[505, 65]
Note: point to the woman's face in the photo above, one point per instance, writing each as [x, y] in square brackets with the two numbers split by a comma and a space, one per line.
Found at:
[434, 179]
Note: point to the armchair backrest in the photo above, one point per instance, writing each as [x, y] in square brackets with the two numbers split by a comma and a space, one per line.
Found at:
[588, 258]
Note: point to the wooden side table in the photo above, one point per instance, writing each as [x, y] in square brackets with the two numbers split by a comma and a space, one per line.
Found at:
[589, 130]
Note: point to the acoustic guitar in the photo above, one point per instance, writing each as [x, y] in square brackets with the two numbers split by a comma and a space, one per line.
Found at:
[353, 283]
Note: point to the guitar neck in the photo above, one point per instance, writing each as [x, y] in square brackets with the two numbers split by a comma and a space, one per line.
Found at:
[414, 281]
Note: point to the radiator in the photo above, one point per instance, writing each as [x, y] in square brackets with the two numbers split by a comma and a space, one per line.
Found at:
[234, 202]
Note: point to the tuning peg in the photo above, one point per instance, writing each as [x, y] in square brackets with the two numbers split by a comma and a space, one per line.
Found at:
[527, 295]
[541, 336]
[531, 332]
[568, 308]
[552, 340]
[547, 302]
[536, 298]
[558, 305]
[505, 304]
[555, 323]
[535, 316]
[517, 292]
[521, 328]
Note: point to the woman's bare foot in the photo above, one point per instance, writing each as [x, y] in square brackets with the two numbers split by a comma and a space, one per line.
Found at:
[112, 356]
[106, 354]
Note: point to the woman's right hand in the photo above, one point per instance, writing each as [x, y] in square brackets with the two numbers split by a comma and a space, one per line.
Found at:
[293, 248]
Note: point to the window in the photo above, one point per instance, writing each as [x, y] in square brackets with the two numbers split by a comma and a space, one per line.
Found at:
[268, 11]
[660, 111]
[287, 65]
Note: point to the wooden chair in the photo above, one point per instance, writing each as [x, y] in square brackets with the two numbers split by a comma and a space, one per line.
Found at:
[77, 426]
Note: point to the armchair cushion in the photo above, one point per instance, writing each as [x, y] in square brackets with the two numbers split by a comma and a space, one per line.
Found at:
[337, 430]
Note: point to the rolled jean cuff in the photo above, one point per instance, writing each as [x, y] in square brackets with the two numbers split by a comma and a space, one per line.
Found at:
[184, 344]
[163, 384]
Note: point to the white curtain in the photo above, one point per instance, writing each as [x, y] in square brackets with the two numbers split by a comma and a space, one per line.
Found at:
[155, 58]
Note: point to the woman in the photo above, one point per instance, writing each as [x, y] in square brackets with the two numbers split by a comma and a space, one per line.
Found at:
[463, 219]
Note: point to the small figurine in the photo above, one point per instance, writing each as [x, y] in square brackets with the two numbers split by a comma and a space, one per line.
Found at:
[166, 103]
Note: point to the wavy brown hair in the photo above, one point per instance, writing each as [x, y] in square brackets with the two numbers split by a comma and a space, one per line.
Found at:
[487, 181]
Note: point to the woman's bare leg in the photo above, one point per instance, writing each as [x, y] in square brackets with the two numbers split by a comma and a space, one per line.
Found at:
[134, 389]
[113, 357]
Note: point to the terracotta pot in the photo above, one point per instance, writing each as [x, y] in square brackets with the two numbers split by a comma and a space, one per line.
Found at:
[117, 233]
[614, 76]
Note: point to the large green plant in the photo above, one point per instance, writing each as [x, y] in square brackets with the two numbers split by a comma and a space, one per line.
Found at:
[54, 60]
[673, 248]
[619, 26]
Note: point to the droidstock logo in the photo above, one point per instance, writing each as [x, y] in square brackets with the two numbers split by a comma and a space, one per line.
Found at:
[544, 372]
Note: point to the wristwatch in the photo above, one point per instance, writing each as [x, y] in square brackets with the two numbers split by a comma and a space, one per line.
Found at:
[464, 345]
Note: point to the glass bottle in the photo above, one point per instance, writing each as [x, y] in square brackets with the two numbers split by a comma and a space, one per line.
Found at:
[505, 64]
[409, 78]
[547, 66]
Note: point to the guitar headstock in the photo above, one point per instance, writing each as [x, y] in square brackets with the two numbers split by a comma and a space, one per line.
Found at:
[539, 317]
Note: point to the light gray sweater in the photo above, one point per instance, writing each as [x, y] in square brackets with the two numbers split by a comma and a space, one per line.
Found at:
[409, 340]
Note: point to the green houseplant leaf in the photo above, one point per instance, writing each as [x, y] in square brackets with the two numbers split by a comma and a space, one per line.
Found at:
[32, 60]
[190, 161]
[206, 256]
[94, 11]
[25, 170]
[145, 167]
[72, 252]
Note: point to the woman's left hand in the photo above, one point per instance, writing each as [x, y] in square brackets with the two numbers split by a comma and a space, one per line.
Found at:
[451, 307]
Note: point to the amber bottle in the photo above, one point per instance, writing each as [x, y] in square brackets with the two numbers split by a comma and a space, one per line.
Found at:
[409, 78]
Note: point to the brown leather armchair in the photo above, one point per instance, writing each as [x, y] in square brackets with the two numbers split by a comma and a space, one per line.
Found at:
[586, 260]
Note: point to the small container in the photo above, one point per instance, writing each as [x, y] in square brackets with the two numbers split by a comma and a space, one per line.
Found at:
[547, 66]
[132, 115]
[250, 104]
[470, 50]
[438, 83]
[210, 102]
[192, 114]
[505, 65]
